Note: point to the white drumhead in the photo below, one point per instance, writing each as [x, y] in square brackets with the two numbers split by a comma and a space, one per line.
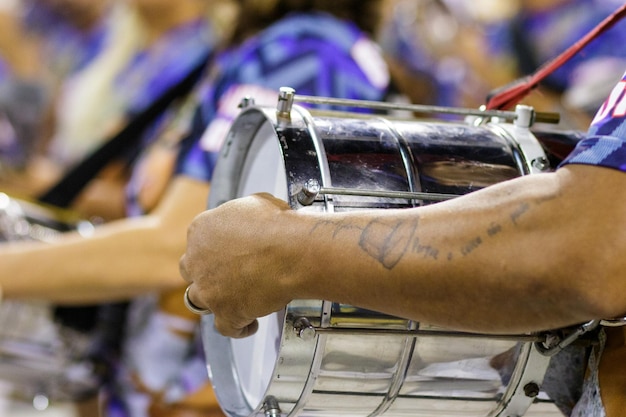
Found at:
[255, 357]
[263, 168]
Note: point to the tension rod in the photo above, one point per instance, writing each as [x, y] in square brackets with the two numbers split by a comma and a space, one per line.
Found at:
[312, 189]
[538, 117]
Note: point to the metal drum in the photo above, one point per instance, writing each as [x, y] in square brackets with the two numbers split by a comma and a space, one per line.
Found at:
[319, 358]
[42, 360]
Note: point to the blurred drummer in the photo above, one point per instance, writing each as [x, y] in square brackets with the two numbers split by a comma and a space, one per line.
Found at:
[318, 47]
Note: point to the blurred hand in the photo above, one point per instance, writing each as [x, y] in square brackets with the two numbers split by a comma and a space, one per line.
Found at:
[201, 403]
[159, 409]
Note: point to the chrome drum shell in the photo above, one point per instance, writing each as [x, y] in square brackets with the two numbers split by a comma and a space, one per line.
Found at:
[319, 358]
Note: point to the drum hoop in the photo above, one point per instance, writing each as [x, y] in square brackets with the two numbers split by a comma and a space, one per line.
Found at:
[230, 395]
[226, 174]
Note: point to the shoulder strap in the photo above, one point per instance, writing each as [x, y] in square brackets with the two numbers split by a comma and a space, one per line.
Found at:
[64, 191]
[509, 95]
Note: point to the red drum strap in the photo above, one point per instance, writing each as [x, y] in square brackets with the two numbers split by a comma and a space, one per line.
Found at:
[511, 94]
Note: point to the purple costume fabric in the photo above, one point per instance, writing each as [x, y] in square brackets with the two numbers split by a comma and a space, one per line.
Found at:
[315, 54]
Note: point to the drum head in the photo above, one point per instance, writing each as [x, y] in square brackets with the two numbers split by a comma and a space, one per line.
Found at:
[243, 368]
[263, 169]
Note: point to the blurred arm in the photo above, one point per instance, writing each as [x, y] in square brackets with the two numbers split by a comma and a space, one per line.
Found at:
[122, 259]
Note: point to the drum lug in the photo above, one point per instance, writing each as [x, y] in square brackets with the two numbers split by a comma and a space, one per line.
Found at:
[525, 116]
[271, 407]
[285, 103]
[309, 192]
[304, 329]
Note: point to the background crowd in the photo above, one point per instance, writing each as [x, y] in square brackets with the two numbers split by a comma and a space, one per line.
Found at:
[73, 73]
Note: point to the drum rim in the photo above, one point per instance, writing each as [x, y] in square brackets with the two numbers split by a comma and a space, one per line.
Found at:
[227, 177]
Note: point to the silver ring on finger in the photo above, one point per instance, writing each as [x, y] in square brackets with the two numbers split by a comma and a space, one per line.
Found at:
[192, 307]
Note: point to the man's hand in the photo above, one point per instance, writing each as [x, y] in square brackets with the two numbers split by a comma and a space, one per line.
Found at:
[234, 266]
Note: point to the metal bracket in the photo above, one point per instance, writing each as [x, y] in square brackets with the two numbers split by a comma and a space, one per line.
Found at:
[616, 322]
[554, 343]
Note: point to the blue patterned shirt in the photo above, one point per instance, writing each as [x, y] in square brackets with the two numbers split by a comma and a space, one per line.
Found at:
[606, 142]
[315, 54]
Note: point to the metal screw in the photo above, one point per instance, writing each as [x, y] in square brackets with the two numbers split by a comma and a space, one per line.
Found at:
[531, 389]
[246, 102]
[541, 163]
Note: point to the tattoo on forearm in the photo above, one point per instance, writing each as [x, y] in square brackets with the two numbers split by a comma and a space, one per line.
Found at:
[519, 212]
[494, 229]
[387, 240]
[337, 226]
[471, 246]
[427, 251]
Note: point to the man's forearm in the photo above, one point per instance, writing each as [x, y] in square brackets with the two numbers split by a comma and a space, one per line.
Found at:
[511, 258]
[499, 260]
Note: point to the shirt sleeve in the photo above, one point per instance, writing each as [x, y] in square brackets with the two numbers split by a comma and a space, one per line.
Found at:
[605, 144]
